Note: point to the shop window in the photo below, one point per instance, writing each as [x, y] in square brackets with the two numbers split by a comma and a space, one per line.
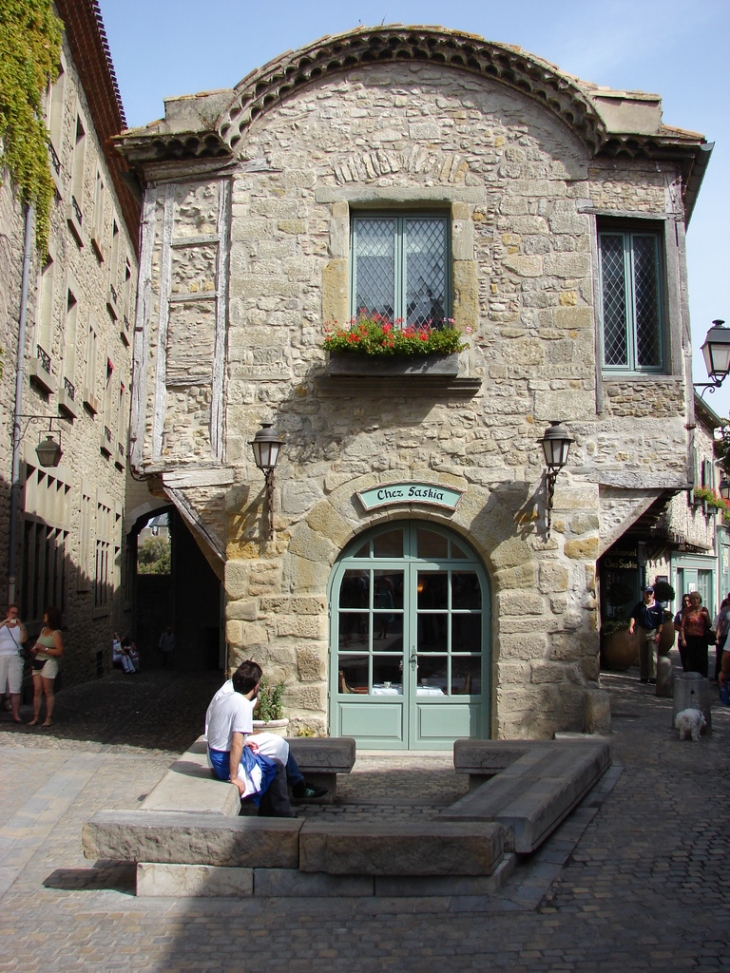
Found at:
[400, 267]
[631, 300]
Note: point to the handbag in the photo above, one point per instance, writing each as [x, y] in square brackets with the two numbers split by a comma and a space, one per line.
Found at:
[38, 663]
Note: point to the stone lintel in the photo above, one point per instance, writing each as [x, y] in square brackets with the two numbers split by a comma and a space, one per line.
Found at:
[408, 195]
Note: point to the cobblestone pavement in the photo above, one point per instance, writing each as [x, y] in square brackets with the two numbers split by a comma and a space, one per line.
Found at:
[638, 878]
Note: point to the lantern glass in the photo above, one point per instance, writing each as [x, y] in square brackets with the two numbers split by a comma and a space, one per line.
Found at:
[716, 351]
[556, 446]
[266, 447]
[725, 489]
[49, 452]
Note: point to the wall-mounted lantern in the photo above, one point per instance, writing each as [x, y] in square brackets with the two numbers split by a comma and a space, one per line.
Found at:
[716, 352]
[266, 446]
[556, 444]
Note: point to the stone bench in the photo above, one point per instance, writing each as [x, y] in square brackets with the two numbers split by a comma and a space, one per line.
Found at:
[321, 759]
[209, 854]
[189, 785]
[529, 788]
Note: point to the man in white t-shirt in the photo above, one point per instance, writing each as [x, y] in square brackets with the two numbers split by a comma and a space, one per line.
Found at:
[228, 728]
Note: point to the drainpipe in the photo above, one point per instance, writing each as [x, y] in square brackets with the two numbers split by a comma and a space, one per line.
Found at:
[18, 409]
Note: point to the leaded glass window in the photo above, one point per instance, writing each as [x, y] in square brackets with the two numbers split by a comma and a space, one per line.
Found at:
[400, 267]
[631, 300]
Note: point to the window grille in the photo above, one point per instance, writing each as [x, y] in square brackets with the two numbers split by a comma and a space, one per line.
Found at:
[400, 268]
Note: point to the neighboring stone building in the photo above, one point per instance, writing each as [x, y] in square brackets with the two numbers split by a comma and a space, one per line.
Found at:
[688, 538]
[76, 365]
[546, 216]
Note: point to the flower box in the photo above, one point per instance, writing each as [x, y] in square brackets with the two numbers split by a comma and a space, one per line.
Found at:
[345, 363]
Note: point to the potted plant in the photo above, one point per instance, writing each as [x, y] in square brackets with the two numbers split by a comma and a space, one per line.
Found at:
[269, 710]
[371, 344]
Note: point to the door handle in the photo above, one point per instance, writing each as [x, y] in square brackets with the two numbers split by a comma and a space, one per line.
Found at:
[413, 661]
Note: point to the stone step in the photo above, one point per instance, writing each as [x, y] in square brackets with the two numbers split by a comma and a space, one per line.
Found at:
[401, 848]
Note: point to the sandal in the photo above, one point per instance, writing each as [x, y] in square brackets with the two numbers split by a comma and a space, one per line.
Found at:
[47, 723]
[34, 722]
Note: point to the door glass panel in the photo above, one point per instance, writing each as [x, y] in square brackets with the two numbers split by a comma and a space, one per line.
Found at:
[355, 589]
[433, 632]
[388, 614]
[705, 586]
[466, 633]
[353, 673]
[431, 545]
[432, 590]
[388, 675]
[466, 592]
[466, 675]
[433, 674]
[457, 553]
[389, 544]
[363, 551]
[354, 629]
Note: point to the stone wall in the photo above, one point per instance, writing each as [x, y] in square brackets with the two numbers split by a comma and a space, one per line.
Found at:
[522, 192]
[85, 270]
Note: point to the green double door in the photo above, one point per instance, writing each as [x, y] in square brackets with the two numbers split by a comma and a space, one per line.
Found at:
[409, 639]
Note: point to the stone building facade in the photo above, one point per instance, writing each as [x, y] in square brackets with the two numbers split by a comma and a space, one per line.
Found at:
[75, 364]
[412, 592]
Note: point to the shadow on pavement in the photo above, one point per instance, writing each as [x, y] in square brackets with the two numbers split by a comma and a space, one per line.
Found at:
[154, 710]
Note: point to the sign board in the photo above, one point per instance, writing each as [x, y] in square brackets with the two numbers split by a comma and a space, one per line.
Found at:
[429, 493]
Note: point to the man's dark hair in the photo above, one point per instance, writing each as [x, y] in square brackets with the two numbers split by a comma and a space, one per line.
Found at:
[247, 677]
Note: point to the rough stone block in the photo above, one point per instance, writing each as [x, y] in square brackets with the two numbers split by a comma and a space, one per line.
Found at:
[521, 602]
[183, 881]
[395, 848]
[274, 882]
[192, 839]
[582, 549]
[329, 755]
[598, 711]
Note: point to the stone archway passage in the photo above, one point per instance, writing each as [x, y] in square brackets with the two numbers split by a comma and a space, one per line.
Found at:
[409, 650]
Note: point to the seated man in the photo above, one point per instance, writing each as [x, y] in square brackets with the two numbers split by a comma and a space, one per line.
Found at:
[262, 772]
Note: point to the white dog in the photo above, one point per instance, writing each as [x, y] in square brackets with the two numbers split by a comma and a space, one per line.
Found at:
[690, 722]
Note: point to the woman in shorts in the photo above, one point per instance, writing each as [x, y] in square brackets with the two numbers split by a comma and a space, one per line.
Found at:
[46, 653]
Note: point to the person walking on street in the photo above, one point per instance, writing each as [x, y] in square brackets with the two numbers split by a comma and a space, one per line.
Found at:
[46, 653]
[12, 636]
[721, 626]
[696, 624]
[647, 618]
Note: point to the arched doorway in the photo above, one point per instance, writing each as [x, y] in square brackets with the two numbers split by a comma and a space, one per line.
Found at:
[409, 641]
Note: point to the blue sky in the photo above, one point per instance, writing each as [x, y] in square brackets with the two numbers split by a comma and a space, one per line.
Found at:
[677, 49]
